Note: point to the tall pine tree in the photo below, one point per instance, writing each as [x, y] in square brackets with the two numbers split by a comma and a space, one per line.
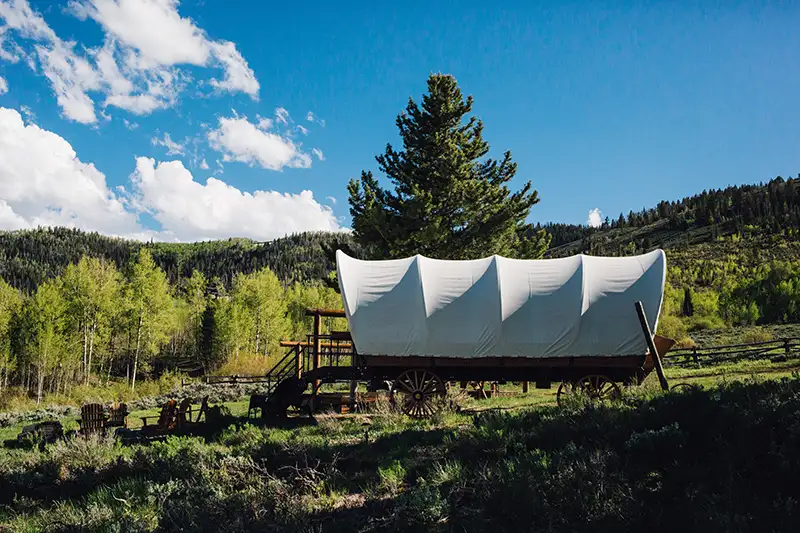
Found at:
[449, 201]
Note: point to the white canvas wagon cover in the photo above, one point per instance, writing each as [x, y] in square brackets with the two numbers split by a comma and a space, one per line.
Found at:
[499, 307]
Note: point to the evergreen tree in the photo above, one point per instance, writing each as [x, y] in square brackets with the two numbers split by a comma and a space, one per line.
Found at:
[449, 200]
[688, 306]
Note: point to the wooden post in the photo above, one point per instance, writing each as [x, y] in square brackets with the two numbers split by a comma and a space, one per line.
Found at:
[524, 386]
[652, 346]
[353, 386]
[317, 347]
[299, 361]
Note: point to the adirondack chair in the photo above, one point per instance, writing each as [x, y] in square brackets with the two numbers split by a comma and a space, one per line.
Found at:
[184, 415]
[166, 420]
[257, 402]
[118, 416]
[203, 410]
[93, 419]
[45, 432]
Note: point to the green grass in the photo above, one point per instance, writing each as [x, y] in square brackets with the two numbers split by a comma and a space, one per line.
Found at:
[655, 462]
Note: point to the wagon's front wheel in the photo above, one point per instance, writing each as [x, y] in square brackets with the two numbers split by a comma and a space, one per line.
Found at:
[565, 388]
[596, 388]
[415, 393]
[599, 388]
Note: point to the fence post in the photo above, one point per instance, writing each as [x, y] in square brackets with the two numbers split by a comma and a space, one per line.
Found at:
[786, 347]
[694, 355]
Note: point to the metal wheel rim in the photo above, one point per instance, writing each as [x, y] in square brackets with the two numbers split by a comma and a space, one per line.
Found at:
[414, 391]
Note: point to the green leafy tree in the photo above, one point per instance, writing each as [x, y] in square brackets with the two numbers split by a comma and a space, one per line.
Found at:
[150, 305]
[91, 290]
[197, 301]
[10, 306]
[46, 329]
[449, 200]
[259, 310]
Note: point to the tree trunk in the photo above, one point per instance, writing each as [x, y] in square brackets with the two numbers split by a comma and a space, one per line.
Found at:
[91, 348]
[136, 356]
[40, 386]
[85, 351]
[258, 328]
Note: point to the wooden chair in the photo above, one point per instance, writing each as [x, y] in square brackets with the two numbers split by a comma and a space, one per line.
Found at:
[166, 419]
[203, 410]
[257, 401]
[93, 418]
[184, 415]
[118, 416]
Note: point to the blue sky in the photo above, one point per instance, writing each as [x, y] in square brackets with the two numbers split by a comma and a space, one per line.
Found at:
[604, 105]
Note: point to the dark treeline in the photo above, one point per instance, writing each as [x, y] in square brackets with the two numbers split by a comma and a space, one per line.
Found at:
[773, 207]
[28, 258]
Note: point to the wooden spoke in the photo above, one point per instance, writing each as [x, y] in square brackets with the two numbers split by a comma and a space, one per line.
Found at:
[415, 390]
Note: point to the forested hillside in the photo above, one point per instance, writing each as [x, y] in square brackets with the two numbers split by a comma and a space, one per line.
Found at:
[28, 258]
[750, 211]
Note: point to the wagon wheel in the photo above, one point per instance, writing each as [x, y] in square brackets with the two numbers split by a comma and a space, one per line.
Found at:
[565, 388]
[599, 388]
[414, 392]
[684, 386]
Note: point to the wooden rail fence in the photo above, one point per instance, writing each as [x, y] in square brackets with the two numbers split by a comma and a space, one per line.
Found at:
[698, 356]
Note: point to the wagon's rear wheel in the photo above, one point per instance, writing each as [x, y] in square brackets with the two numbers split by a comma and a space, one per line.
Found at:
[415, 393]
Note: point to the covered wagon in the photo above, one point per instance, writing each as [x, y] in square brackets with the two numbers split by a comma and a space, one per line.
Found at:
[419, 323]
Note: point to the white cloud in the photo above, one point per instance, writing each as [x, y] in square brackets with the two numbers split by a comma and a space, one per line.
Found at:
[28, 113]
[318, 153]
[204, 165]
[173, 148]
[153, 28]
[595, 219]
[43, 182]
[130, 125]
[191, 210]
[331, 199]
[302, 130]
[264, 123]
[3, 85]
[238, 75]
[281, 115]
[311, 117]
[240, 140]
[138, 66]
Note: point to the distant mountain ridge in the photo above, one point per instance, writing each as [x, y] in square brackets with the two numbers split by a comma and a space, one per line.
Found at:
[29, 257]
[751, 221]
[749, 211]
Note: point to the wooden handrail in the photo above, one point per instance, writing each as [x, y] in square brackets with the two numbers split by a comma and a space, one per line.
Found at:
[306, 344]
[330, 313]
